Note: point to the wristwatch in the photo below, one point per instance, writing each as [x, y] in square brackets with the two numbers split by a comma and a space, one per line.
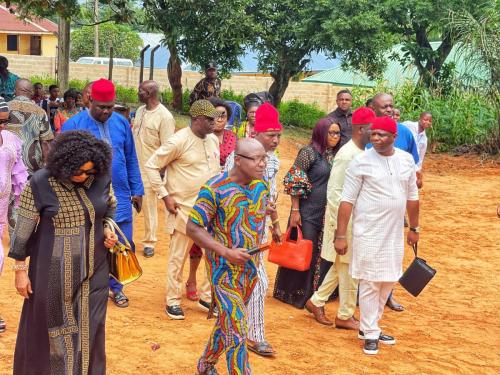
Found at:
[416, 229]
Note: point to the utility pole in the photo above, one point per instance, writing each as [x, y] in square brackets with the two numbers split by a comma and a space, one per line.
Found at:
[96, 28]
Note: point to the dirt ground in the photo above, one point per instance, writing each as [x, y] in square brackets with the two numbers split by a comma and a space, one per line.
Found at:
[452, 327]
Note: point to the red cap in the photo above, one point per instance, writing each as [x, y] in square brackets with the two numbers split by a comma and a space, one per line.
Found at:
[103, 90]
[363, 116]
[267, 119]
[385, 123]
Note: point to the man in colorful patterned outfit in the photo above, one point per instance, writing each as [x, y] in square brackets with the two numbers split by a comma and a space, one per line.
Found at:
[232, 208]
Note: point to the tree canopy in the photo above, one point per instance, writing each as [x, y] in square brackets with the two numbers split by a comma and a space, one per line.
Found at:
[200, 32]
[125, 41]
[371, 28]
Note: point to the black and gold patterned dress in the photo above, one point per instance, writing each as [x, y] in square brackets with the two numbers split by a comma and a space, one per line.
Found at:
[60, 229]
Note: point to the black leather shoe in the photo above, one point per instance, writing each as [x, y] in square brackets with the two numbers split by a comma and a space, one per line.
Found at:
[386, 339]
[370, 347]
[383, 338]
[205, 306]
[175, 312]
[148, 252]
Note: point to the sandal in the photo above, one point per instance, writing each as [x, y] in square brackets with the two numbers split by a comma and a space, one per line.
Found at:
[261, 348]
[3, 325]
[119, 299]
[192, 294]
[393, 305]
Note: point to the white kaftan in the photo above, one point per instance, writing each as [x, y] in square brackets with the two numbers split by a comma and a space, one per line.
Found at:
[379, 187]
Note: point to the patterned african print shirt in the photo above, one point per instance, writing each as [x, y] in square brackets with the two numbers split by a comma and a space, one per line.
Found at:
[233, 214]
[31, 124]
[205, 89]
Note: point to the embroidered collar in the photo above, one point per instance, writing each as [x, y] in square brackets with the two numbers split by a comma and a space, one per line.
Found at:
[70, 185]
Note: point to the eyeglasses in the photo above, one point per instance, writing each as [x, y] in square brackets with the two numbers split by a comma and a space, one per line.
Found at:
[334, 134]
[263, 159]
[88, 172]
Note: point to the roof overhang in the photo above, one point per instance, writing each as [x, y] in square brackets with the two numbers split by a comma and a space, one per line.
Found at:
[26, 32]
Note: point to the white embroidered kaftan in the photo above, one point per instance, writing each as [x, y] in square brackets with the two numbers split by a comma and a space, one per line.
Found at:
[379, 187]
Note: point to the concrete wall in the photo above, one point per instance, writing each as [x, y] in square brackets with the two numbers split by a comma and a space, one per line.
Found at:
[319, 93]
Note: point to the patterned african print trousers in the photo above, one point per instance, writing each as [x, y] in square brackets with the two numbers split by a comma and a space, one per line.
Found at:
[232, 286]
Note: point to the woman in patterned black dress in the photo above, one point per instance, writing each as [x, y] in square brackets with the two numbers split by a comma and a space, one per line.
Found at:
[306, 183]
[60, 227]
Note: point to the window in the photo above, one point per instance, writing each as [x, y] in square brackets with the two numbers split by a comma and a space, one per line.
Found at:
[11, 42]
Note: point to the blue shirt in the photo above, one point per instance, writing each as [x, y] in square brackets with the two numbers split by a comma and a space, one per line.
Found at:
[404, 141]
[125, 174]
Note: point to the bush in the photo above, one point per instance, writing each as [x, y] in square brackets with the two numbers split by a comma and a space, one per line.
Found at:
[168, 97]
[298, 114]
[232, 96]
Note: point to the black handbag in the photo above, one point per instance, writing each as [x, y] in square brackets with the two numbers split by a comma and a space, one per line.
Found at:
[417, 275]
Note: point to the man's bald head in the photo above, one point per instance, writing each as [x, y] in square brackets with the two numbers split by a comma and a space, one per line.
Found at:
[149, 91]
[151, 86]
[383, 104]
[250, 160]
[248, 146]
[24, 87]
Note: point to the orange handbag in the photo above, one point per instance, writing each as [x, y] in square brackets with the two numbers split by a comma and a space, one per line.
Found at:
[293, 254]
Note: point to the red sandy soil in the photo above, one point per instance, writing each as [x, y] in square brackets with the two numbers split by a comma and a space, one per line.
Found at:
[452, 327]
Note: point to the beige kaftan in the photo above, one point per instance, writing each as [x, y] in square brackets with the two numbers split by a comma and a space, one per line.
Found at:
[190, 161]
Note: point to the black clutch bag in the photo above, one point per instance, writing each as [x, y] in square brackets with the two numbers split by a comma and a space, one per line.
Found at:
[417, 275]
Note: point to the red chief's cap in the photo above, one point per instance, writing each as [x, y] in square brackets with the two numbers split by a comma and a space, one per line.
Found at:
[103, 90]
[385, 123]
[267, 119]
[363, 116]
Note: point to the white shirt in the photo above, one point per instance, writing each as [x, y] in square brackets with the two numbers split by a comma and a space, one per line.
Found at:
[379, 188]
[420, 140]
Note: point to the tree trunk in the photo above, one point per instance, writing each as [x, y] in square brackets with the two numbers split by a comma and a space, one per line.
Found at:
[63, 53]
[96, 28]
[174, 71]
[278, 87]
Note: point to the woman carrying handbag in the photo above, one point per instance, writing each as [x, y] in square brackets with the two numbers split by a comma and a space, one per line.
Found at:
[306, 183]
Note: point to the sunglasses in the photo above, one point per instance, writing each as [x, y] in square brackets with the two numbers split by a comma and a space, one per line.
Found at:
[88, 172]
[334, 134]
[4, 121]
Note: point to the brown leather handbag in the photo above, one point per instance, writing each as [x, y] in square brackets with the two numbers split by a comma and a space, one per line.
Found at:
[123, 264]
[293, 254]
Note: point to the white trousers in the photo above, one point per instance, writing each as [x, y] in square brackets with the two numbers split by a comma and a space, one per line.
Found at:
[255, 307]
[372, 298]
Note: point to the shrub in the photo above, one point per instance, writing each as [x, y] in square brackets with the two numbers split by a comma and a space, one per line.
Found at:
[168, 97]
[232, 96]
[298, 114]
